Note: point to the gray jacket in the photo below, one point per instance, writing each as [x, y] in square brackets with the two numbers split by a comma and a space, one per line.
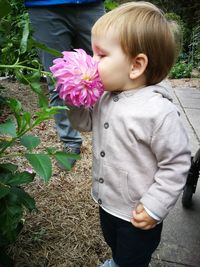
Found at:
[140, 150]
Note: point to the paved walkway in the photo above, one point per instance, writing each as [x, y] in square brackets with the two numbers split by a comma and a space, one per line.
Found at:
[180, 244]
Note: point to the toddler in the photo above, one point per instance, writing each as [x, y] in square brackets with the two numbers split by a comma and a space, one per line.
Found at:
[141, 154]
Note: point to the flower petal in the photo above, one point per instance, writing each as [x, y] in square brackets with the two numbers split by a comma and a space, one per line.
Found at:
[77, 78]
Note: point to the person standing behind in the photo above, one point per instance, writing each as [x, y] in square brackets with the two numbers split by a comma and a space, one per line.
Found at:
[141, 153]
[63, 25]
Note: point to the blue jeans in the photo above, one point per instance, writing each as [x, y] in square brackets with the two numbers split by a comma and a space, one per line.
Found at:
[64, 27]
[131, 246]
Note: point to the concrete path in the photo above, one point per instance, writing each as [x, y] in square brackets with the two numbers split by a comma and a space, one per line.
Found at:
[180, 244]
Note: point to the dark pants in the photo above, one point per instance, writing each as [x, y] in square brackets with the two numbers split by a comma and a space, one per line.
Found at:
[131, 246]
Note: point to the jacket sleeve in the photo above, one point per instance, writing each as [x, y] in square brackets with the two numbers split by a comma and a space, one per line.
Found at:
[80, 118]
[171, 148]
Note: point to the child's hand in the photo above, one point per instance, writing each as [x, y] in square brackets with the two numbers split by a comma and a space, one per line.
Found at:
[141, 219]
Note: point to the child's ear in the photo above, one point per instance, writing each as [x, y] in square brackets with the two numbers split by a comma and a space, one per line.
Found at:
[138, 66]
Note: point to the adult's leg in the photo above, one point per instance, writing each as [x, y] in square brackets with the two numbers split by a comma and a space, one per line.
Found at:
[50, 28]
[86, 16]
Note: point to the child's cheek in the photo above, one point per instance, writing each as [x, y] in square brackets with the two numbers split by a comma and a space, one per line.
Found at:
[101, 71]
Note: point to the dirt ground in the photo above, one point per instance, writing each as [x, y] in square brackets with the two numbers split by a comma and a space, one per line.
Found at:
[65, 231]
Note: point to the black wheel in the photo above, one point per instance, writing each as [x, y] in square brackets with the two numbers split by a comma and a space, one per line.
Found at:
[187, 196]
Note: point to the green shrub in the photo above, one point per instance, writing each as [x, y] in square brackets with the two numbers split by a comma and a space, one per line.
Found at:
[194, 48]
[110, 4]
[181, 70]
[189, 57]
[15, 41]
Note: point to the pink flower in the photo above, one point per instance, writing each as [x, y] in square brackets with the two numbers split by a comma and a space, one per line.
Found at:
[78, 81]
[29, 169]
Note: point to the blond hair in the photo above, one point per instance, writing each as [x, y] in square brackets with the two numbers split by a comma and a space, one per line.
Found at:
[143, 28]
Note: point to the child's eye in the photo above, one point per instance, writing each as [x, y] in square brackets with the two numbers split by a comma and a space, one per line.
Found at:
[98, 52]
[98, 57]
[102, 55]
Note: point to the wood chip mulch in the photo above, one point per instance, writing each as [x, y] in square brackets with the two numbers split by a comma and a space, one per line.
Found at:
[65, 230]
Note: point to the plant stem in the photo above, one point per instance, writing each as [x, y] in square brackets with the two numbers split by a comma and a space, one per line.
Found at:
[18, 66]
[12, 155]
[14, 139]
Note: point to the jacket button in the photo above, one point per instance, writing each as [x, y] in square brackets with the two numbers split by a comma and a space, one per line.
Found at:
[115, 98]
[101, 180]
[106, 125]
[99, 201]
[102, 153]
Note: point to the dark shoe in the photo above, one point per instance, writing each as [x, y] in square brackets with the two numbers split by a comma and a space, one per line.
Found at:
[73, 151]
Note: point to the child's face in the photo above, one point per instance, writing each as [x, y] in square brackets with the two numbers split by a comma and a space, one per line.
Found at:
[114, 66]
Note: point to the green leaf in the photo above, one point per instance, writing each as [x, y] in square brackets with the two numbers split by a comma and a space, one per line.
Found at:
[3, 144]
[51, 150]
[8, 128]
[17, 178]
[30, 141]
[41, 164]
[10, 217]
[47, 113]
[8, 167]
[25, 35]
[27, 117]
[62, 158]
[36, 87]
[5, 8]
[34, 77]
[24, 198]
[67, 155]
[4, 190]
[20, 77]
[5, 260]
[14, 105]
[51, 51]
[43, 101]
[23, 122]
